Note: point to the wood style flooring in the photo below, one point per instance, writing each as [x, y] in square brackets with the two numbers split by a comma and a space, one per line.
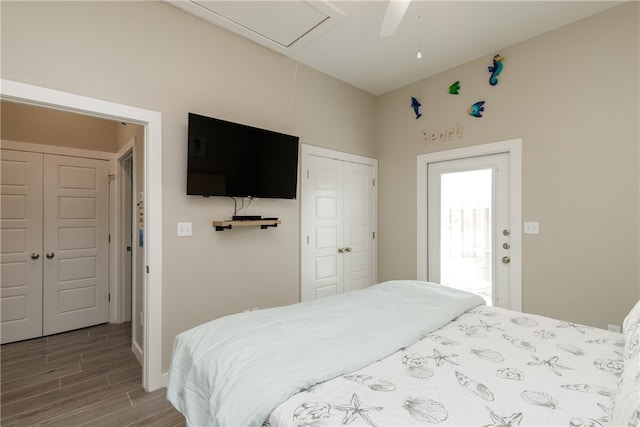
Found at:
[87, 377]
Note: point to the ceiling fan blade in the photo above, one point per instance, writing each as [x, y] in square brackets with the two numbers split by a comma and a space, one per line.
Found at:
[392, 17]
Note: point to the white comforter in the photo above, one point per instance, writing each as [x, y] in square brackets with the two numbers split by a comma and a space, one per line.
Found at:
[235, 370]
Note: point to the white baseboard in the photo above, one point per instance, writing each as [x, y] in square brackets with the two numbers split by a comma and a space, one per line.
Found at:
[163, 379]
[137, 351]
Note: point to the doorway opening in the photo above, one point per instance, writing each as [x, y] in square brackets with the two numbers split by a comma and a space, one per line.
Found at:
[152, 279]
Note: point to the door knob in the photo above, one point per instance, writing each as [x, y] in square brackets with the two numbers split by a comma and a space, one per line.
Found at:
[506, 232]
[50, 255]
[347, 249]
[506, 259]
[341, 250]
[35, 255]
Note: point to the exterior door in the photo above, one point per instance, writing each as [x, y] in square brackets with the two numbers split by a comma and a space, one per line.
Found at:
[21, 249]
[338, 226]
[469, 226]
[76, 243]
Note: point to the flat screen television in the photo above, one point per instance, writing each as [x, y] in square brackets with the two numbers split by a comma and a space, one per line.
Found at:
[231, 159]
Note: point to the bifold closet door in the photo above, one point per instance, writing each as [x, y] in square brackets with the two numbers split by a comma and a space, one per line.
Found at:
[76, 243]
[21, 245]
[338, 225]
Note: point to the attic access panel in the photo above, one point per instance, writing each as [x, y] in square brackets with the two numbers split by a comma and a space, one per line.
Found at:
[277, 24]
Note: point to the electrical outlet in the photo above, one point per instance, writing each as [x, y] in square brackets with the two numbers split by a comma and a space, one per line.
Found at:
[614, 328]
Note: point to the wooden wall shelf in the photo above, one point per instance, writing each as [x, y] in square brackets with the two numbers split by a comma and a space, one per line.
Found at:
[262, 223]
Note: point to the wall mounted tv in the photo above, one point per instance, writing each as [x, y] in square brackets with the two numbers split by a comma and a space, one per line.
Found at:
[230, 159]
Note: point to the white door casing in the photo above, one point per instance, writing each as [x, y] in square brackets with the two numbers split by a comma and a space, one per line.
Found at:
[76, 243]
[339, 205]
[498, 167]
[514, 150]
[21, 236]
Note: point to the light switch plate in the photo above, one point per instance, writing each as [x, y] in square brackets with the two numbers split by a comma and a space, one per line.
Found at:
[184, 229]
[531, 227]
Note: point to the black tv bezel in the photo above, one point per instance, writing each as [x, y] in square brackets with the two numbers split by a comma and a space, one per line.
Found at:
[281, 138]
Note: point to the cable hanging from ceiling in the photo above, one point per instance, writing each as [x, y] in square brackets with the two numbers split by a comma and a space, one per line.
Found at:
[419, 54]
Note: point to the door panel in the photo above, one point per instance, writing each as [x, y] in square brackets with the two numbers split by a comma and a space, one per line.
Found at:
[76, 209]
[358, 226]
[21, 236]
[322, 270]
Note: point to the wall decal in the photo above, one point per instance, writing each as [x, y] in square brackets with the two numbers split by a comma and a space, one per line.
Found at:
[443, 135]
[454, 88]
[476, 109]
[495, 69]
[416, 107]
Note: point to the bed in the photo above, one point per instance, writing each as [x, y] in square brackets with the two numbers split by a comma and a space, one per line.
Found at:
[404, 353]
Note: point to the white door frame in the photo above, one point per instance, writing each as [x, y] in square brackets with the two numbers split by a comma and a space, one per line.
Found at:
[152, 121]
[514, 148]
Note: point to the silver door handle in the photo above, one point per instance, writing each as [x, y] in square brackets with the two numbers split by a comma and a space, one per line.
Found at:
[340, 250]
[347, 249]
[506, 259]
[50, 255]
[35, 255]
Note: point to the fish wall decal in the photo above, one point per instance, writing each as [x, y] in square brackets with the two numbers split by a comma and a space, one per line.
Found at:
[454, 89]
[476, 109]
[416, 107]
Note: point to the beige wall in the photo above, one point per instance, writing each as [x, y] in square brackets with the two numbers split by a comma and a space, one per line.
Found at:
[572, 95]
[27, 123]
[154, 56]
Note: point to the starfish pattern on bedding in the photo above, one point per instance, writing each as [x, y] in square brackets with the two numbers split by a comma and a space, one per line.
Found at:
[490, 326]
[354, 410]
[440, 358]
[498, 421]
[551, 363]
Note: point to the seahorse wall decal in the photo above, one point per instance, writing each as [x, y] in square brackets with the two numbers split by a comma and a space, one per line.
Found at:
[495, 69]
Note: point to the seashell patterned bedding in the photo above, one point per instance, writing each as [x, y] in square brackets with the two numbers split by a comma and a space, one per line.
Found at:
[488, 367]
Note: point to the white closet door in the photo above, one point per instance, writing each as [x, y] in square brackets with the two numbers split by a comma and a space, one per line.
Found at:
[338, 223]
[76, 243]
[358, 226]
[21, 249]
[322, 268]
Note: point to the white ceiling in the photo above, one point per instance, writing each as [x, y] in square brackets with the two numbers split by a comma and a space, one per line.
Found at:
[342, 38]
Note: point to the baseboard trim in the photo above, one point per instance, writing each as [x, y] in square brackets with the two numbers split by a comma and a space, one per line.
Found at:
[137, 351]
[163, 379]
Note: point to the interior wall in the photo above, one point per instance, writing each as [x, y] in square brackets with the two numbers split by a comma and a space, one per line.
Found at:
[123, 52]
[28, 123]
[572, 95]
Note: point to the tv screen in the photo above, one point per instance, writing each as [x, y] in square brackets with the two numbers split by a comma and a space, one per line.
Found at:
[230, 159]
